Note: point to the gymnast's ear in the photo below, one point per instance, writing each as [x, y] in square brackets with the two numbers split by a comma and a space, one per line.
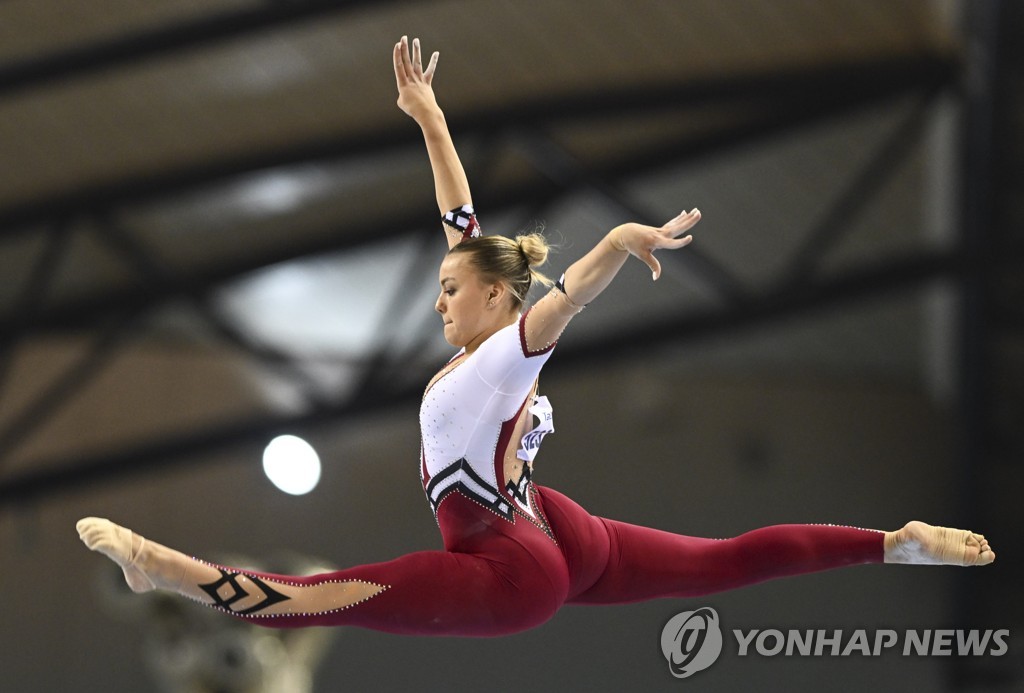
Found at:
[497, 293]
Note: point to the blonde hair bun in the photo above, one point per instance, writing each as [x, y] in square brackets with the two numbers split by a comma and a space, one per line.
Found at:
[534, 248]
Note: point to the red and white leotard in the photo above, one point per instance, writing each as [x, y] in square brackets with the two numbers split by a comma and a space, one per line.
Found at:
[468, 416]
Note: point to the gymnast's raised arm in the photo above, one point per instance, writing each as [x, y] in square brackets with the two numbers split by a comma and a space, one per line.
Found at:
[587, 277]
[590, 275]
[416, 99]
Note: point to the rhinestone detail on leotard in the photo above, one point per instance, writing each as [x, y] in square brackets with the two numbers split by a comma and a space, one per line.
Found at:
[254, 578]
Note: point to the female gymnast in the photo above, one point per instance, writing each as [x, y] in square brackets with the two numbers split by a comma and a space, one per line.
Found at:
[514, 552]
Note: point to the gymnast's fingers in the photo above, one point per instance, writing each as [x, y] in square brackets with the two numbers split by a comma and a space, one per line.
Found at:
[400, 77]
[682, 223]
[648, 259]
[405, 59]
[428, 74]
[417, 58]
[676, 243]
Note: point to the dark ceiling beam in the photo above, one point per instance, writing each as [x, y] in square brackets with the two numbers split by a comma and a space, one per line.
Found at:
[102, 350]
[568, 173]
[82, 312]
[850, 83]
[383, 355]
[33, 295]
[160, 42]
[156, 274]
[872, 280]
[856, 195]
[47, 477]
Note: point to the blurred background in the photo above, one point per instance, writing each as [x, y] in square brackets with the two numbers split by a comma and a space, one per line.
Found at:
[216, 228]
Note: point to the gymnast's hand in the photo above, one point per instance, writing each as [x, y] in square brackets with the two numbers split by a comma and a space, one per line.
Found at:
[415, 95]
[641, 241]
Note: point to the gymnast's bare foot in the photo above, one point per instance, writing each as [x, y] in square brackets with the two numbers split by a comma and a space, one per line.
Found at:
[130, 551]
[922, 544]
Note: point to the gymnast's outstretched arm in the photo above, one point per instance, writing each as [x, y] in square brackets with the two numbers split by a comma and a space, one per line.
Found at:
[416, 98]
[590, 275]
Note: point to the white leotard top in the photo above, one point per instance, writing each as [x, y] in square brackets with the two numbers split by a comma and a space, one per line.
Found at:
[468, 415]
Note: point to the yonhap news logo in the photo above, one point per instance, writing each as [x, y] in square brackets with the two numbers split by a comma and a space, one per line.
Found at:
[692, 641]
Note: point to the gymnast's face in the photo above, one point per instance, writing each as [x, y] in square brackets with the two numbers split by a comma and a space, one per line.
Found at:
[464, 303]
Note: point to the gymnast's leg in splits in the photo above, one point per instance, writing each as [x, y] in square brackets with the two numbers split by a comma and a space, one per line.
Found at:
[488, 594]
[422, 593]
[614, 562]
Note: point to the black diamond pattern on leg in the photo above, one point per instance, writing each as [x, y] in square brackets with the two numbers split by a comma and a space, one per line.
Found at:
[271, 596]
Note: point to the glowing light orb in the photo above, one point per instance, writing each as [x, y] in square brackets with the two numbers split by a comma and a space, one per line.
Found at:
[292, 465]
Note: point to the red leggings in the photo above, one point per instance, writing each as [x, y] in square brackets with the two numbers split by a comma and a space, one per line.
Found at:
[496, 577]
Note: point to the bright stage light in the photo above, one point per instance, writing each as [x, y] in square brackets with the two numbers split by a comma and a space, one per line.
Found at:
[292, 465]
